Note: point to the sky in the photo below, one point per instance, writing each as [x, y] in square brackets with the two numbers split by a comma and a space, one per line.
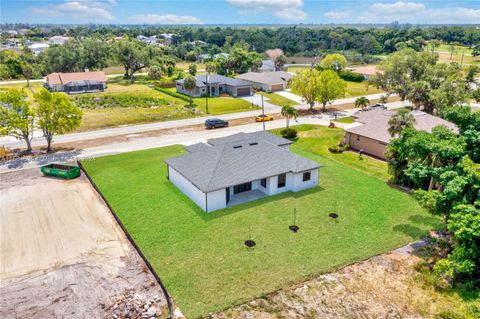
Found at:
[239, 11]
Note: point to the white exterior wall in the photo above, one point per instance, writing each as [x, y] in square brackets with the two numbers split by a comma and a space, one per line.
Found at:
[299, 184]
[216, 200]
[187, 187]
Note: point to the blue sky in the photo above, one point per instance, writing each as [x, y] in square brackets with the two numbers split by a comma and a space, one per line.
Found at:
[238, 11]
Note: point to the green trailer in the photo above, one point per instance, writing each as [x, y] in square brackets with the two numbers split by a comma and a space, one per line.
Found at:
[61, 170]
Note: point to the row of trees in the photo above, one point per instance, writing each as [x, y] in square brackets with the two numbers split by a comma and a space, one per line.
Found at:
[418, 77]
[52, 113]
[292, 39]
[443, 168]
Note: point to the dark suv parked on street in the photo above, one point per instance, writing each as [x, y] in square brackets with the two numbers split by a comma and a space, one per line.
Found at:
[215, 123]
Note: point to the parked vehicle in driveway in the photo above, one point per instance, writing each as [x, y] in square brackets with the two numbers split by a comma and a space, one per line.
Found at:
[215, 123]
[263, 118]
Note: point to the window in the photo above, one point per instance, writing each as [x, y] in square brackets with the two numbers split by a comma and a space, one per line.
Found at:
[306, 176]
[358, 137]
[282, 180]
[263, 182]
[242, 188]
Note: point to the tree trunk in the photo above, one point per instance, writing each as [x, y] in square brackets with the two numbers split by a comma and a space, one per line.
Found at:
[28, 82]
[312, 104]
[49, 139]
[132, 77]
[29, 144]
[288, 122]
[324, 106]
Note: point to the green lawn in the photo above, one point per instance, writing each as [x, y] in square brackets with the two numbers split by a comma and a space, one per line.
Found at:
[277, 99]
[223, 105]
[201, 257]
[346, 120]
[360, 89]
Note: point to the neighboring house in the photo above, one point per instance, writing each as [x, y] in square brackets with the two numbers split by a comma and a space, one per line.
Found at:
[240, 168]
[151, 40]
[217, 84]
[268, 81]
[77, 82]
[370, 134]
[367, 71]
[58, 40]
[267, 66]
[37, 48]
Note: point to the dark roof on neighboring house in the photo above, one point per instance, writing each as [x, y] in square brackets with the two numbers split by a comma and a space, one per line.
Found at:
[64, 78]
[238, 159]
[215, 78]
[374, 124]
[275, 77]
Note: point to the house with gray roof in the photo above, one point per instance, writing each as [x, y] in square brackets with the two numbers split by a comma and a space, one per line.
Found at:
[217, 85]
[238, 168]
[369, 133]
[267, 81]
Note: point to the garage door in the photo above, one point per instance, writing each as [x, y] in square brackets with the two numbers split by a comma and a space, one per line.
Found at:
[277, 87]
[243, 91]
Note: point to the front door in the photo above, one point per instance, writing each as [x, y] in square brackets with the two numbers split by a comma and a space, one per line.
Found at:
[228, 193]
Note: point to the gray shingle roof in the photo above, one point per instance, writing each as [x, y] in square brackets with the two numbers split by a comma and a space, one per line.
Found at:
[238, 159]
[275, 77]
[220, 79]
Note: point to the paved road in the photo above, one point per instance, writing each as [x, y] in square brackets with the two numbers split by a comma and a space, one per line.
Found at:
[149, 142]
[10, 142]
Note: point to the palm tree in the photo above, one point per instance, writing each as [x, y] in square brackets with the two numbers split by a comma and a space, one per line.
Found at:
[362, 102]
[190, 83]
[419, 94]
[400, 121]
[289, 112]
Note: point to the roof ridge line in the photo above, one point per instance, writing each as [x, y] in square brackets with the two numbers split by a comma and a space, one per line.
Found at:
[216, 166]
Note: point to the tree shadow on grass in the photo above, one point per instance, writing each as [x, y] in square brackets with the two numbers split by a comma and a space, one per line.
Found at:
[426, 220]
[252, 204]
[410, 230]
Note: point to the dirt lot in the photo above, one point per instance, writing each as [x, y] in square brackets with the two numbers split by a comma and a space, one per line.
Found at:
[62, 253]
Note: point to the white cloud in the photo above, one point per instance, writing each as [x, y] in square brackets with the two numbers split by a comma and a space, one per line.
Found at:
[338, 15]
[398, 7]
[284, 9]
[165, 19]
[415, 12]
[78, 10]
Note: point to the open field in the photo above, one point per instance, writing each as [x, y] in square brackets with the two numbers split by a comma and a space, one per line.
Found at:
[201, 257]
[168, 108]
[63, 254]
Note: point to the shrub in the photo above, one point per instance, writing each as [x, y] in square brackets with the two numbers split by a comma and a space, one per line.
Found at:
[174, 94]
[350, 76]
[289, 133]
[339, 148]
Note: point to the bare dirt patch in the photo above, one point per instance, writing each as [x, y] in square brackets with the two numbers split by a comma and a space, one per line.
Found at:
[62, 253]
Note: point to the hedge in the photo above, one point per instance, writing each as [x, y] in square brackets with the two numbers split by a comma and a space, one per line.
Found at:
[174, 94]
[350, 76]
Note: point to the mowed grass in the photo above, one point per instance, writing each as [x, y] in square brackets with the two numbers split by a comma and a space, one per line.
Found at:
[277, 99]
[360, 89]
[223, 105]
[201, 257]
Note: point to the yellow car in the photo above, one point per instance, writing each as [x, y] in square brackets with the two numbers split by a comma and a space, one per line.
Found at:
[263, 118]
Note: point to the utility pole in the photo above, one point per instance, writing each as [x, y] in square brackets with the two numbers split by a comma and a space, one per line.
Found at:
[263, 114]
[208, 89]
[463, 54]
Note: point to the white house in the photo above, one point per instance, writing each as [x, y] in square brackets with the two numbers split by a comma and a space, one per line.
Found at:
[37, 48]
[240, 168]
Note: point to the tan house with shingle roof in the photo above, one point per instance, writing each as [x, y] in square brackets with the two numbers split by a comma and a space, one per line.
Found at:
[367, 71]
[77, 82]
[267, 81]
[369, 132]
